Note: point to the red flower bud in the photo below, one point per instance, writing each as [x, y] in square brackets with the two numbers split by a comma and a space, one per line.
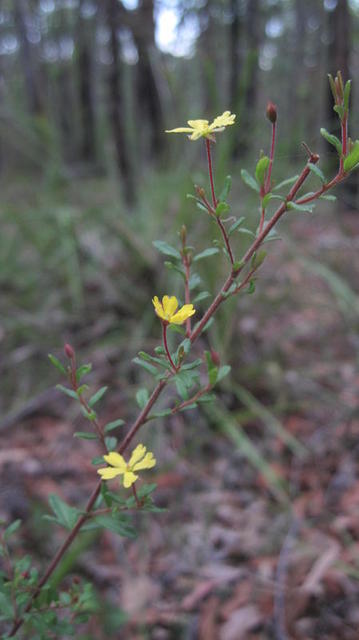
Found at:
[271, 112]
[215, 358]
[69, 351]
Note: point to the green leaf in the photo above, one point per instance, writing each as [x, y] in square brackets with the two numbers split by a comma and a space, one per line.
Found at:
[314, 169]
[166, 249]
[148, 358]
[252, 287]
[249, 180]
[222, 208]
[111, 443]
[333, 140]
[235, 225]
[142, 397]
[10, 530]
[194, 281]
[347, 89]
[226, 189]
[97, 460]
[174, 267]
[201, 296]
[266, 200]
[146, 365]
[68, 392]
[66, 516]
[97, 396]
[328, 196]
[113, 425]
[352, 158]
[120, 525]
[300, 207]
[85, 435]
[191, 365]
[181, 387]
[83, 370]
[207, 253]
[261, 169]
[339, 110]
[246, 232]
[212, 369]
[223, 371]
[286, 183]
[89, 415]
[57, 364]
[258, 259]
[160, 414]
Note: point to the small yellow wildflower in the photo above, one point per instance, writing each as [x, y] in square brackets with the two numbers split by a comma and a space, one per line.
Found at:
[138, 461]
[166, 310]
[202, 128]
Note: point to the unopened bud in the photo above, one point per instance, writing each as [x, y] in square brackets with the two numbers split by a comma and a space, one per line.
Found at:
[271, 112]
[183, 234]
[69, 351]
[200, 191]
[215, 358]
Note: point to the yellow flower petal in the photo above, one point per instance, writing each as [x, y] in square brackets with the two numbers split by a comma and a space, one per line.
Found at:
[169, 304]
[198, 124]
[181, 316]
[116, 460]
[128, 479]
[147, 463]
[179, 130]
[225, 120]
[109, 472]
[137, 454]
[158, 308]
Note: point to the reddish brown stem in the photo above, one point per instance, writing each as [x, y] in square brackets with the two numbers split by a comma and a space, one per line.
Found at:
[187, 267]
[84, 403]
[165, 344]
[210, 171]
[138, 502]
[267, 185]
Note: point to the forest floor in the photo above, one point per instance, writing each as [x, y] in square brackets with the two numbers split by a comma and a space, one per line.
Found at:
[260, 536]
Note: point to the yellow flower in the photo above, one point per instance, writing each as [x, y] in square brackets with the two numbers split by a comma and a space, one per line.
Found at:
[138, 461]
[202, 128]
[166, 310]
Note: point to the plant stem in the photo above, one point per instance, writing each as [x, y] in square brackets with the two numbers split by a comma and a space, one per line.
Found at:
[165, 344]
[210, 171]
[271, 158]
[187, 267]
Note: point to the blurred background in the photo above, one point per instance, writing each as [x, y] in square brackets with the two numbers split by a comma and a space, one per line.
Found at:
[260, 539]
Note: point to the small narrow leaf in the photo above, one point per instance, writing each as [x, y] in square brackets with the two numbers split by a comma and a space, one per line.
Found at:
[221, 209]
[166, 249]
[261, 169]
[333, 140]
[308, 208]
[111, 443]
[97, 396]
[352, 158]
[113, 425]
[142, 396]
[249, 180]
[314, 169]
[286, 183]
[206, 254]
[226, 189]
[236, 224]
[57, 364]
[85, 435]
[146, 365]
[68, 392]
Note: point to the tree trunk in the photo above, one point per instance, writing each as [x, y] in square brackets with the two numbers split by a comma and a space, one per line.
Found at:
[84, 41]
[250, 73]
[32, 80]
[116, 114]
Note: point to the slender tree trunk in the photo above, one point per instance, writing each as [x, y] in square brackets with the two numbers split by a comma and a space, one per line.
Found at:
[116, 114]
[32, 79]
[234, 55]
[148, 91]
[85, 80]
[250, 73]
